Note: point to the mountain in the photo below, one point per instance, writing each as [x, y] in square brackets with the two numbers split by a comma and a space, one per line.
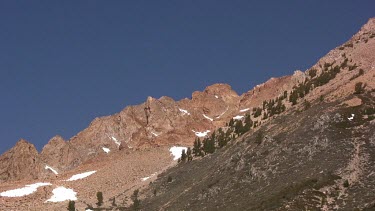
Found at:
[304, 141]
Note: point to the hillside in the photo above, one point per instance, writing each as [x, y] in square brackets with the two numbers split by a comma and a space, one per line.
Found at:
[306, 142]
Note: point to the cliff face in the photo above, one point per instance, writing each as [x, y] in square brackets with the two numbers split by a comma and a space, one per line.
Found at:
[165, 122]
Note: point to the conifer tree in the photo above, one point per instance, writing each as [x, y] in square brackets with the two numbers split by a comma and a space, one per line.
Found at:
[183, 156]
[99, 196]
[189, 154]
[72, 206]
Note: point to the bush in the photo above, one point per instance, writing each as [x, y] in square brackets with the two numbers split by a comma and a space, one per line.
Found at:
[312, 73]
[359, 88]
[72, 206]
[99, 196]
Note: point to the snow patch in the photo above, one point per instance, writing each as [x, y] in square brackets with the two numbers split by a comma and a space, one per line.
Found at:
[351, 118]
[155, 134]
[176, 152]
[116, 141]
[216, 96]
[208, 118]
[244, 110]
[62, 194]
[80, 176]
[238, 117]
[146, 178]
[184, 111]
[106, 150]
[27, 190]
[201, 134]
[50, 168]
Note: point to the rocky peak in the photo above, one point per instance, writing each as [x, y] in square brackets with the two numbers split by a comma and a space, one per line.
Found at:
[20, 162]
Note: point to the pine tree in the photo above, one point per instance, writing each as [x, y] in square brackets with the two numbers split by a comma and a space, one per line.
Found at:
[189, 154]
[72, 206]
[183, 156]
[99, 196]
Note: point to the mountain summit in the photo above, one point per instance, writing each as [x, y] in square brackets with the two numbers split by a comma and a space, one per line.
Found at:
[303, 141]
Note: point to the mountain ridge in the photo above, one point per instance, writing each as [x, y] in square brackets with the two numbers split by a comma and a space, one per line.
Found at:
[161, 123]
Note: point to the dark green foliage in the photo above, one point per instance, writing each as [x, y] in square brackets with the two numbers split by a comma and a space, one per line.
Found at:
[257, 112]
[321, 98]
[346, 184]
[155, 192]
[189, 154]
[136, 201]
[231, 123]
[359, 88]
[197, 149]
[99, 197]
[183, 156]
[312, 73]
[293, 97]
[285, 94]
[209, 145]
[72, 206]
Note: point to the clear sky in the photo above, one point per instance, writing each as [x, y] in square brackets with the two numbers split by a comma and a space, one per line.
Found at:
[63, 63]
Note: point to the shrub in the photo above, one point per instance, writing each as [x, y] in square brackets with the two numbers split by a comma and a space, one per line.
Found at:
[72, 206]
[312, 73]
[99, 196]
[359, 88]
[169, 179]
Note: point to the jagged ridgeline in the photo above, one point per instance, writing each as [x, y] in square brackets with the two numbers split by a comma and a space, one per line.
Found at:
[299, 142]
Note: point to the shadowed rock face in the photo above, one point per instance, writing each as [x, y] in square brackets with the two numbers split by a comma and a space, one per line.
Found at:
[164, 121]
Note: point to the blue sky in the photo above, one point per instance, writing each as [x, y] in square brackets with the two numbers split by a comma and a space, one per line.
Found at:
[63, 63]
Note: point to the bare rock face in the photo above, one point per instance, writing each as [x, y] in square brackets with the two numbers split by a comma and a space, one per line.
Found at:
[20, 162]
[58, 155]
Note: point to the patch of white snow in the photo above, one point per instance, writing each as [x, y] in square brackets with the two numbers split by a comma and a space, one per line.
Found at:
[106, 150]
[201, 134]
[146, 178]
[27, 190]
[62, 194]
[155, 134]
[238, 117]
[216, 96]
[184, 111]
[80, 176]
[208, 118]
[50, 168]
[116, 141]
[244, 110]
[351, 118]
[176, 152]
